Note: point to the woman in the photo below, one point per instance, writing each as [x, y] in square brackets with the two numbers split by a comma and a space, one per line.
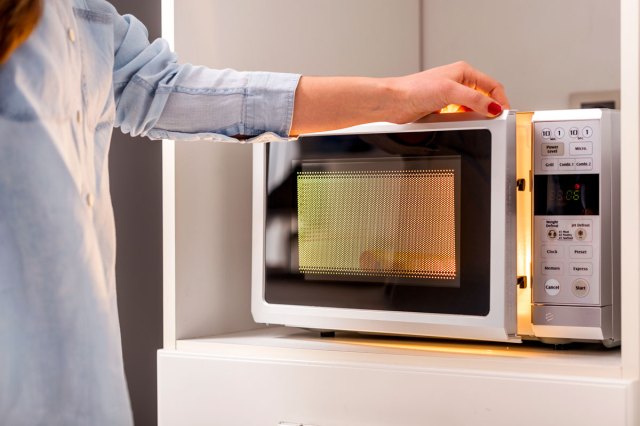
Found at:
[72, 70]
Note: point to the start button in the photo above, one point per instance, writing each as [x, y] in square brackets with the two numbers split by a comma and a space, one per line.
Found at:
[580, 287]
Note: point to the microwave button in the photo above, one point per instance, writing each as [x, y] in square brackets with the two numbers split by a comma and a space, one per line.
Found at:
[587, 132]
[580, 287]
[580, 269]
[549, 164]
[581, 148]
[551, 252]
[552, 234]
[581, 252]
[546, 133]
[552, 149]
[558, 132]
[584, 164]
[566, 164]
[574, 132]
[549, 268]
[581, 234]
[552, 287]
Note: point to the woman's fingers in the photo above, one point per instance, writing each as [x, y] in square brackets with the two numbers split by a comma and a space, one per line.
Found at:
[483, 83]
[463, 95]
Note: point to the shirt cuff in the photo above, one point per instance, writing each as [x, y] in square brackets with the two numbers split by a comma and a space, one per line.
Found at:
[269, 103]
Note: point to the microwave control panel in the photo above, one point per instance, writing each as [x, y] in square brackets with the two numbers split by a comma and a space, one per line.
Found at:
[567, 223]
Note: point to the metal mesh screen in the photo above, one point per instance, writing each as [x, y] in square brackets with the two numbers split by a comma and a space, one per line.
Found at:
[377, 223]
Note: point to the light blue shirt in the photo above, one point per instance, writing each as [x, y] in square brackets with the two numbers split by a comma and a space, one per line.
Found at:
[84, 70]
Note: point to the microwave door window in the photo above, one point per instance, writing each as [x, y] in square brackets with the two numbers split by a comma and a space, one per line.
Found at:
[397, 222]
[357, 222]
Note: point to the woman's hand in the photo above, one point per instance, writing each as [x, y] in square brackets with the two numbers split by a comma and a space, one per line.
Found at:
[459, 83]
[326, 103]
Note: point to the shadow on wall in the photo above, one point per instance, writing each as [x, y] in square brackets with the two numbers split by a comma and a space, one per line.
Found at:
[136, 189]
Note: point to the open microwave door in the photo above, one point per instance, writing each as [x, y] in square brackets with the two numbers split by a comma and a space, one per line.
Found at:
[401, 229]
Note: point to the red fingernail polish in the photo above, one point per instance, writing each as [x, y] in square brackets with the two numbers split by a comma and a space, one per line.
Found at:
[494, 108]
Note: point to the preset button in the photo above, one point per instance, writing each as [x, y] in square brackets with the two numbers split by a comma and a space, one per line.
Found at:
[581, 252]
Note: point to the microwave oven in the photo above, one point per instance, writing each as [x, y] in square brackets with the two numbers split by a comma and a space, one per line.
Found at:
[456, 226]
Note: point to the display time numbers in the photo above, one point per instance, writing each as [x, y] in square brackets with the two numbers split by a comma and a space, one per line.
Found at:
[564, 195]
[567, 194]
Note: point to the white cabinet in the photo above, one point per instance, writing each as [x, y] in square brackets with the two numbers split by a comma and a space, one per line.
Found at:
[286, 375]
[220, 368]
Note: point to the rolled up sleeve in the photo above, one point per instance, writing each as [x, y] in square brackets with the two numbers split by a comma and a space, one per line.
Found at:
[161, 99]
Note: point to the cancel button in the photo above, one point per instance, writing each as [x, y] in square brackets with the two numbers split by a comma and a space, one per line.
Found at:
[552, 287]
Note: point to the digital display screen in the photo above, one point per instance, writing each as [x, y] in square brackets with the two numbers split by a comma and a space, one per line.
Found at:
[567, 195]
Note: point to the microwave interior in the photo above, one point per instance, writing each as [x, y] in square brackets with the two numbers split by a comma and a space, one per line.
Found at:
[391, 222]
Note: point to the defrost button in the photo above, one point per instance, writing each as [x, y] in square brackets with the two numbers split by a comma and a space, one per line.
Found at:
[581, 234]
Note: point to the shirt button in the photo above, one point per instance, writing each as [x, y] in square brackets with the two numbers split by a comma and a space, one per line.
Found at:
[72, 35]
[78, 117]
[90, 199]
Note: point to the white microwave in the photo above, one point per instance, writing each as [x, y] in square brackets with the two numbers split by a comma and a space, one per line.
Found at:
[458, 226]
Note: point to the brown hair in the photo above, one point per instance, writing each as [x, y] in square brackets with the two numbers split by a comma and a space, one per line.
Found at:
[18, 18]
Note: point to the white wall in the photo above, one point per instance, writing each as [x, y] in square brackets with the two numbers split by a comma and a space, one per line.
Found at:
[540, 50]
[372, 37]
[213, 181]
[540, 56]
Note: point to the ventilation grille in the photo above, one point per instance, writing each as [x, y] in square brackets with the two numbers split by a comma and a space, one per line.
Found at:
[377, 223]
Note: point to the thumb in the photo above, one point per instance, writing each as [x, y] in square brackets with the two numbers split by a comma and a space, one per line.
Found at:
[483, 104]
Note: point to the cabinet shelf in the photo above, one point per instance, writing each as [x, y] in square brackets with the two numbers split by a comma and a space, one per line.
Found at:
[299, 346]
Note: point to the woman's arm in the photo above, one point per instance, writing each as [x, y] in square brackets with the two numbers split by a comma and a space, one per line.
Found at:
[323, 103]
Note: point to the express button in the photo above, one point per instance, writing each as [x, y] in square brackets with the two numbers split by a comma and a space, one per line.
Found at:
[580, 269]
